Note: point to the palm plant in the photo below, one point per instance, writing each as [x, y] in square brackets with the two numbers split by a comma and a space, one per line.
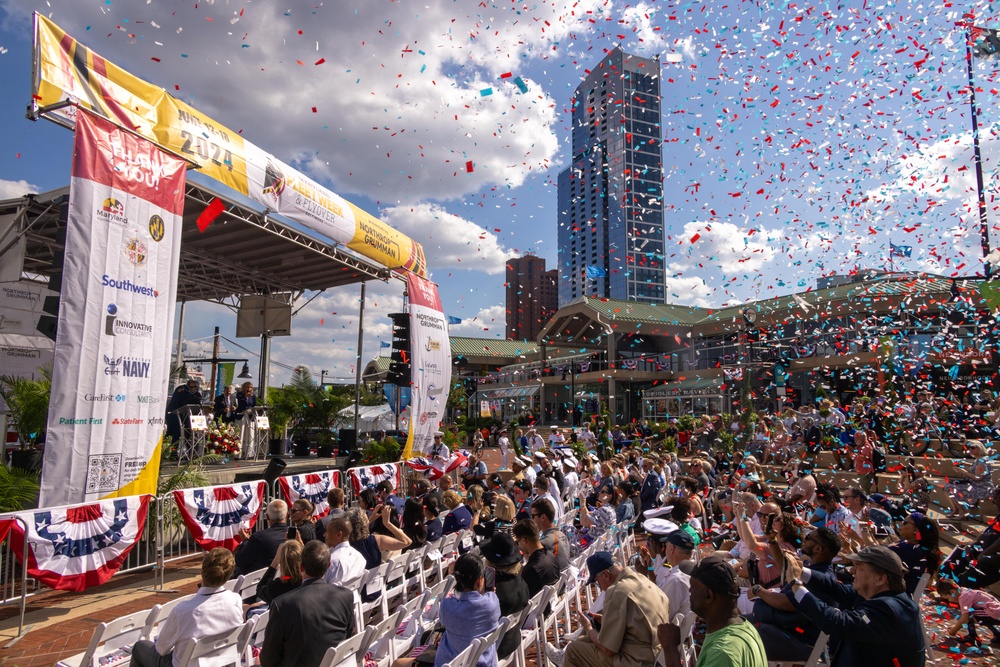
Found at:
[28, 404]
[18, 489]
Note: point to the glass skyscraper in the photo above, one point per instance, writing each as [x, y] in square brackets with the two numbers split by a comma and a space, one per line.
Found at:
[611, 194]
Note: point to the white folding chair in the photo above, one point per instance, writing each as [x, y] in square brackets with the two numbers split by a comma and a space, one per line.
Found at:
[255, 640]
[465, 658]
[111, 643]
[571, 595]
[535, 626]
[159, 614]
[918, 592]
[814, 658]
[449, 553]
[489, 640]
[248, 583]
[215, 646]
[410, 627]
[234, 584]
[347, 653]
[689, 650]
[371, 583]
[515, 623]
[395, 582]
[415, 568]
[381, 649]
[432, 561]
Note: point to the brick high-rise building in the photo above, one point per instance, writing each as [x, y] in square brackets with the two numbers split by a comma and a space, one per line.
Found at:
[532, 296]
[611, 194]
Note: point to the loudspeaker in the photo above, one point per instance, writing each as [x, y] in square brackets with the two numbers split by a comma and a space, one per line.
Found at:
[348, 441]
[274, 470]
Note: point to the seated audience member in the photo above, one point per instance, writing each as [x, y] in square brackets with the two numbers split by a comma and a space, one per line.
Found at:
[502, 521]
[676, 582]
[432, 509]
[974, 607]
[729, 639]
[346, 564]
[541, 487]
[918, 548]
[540, 568]
[828, 499]
[385, 492]
[978, 565]
[504, 557]
[522, 499]
[255, 552]
[412, 523]
[211, 610]
[389, 537]
[335, 499]
[471, 613]
[877, 624]
[282, 575]
[624, 635]
[316, 616]
[551, 537]
[300, 516]
[459, 517]
[602, 518]
[787, 634]
[475, 473]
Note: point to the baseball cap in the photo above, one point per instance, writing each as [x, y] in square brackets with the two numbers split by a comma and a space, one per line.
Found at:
[881, 557]
[717, 575]
[680, 539]
[598, 563]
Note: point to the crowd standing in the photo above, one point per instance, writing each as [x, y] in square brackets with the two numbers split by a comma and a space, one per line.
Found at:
[767, 569]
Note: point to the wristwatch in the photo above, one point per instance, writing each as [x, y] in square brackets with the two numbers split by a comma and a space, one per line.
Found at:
[797, 582]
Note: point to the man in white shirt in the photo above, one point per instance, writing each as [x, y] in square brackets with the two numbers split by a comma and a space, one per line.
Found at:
[676, 583]
[535, 441]
[570, 478]
[347, 565]
[556, 438]
[504, 444]
[587, 437]
[523, 465]
[212, 610]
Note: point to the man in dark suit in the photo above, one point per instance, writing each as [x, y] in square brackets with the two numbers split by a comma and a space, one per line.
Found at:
[257, 551]
[225, 405]
[316, 616]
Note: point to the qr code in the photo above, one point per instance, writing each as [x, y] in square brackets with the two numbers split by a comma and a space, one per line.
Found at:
[104, 472]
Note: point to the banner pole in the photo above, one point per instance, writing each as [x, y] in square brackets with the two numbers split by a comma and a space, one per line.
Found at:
[357, 364]
[24, 579]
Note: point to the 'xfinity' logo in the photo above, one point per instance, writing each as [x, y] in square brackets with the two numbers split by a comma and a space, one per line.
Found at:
[129, 367]
[128, 286]
[115, 326]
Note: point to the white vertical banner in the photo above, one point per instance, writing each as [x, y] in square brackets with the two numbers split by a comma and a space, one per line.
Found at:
[430, 364]
[116, 317]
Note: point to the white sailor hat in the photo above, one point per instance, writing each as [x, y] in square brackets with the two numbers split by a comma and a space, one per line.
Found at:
[659, 527]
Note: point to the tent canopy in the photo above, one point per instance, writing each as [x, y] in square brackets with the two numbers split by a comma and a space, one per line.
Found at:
[373, 418]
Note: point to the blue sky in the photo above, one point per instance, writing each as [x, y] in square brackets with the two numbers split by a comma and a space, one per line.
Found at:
[799, 139]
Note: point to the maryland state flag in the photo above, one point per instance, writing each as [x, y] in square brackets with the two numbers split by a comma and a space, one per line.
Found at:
[985, 41]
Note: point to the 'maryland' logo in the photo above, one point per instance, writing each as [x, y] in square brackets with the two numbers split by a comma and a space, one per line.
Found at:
[128, 286]
[136, 252]
[129, 367]
[114, 326]
[113, 211]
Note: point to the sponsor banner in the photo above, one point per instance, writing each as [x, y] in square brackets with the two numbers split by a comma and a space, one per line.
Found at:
[214, 515]
[116, 317]
[369, 476]
[433, 469]
[75, 547]
[66, 69]
[20, 307]
[430, 359]
[313, 487]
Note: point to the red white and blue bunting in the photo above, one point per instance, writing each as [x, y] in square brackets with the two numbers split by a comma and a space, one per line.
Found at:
[313, 487]
[433, 469]
[215, 514]
[74, 547]
[369, 476]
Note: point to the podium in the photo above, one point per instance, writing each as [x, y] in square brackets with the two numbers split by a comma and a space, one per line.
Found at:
[255, 430]
[194, 431]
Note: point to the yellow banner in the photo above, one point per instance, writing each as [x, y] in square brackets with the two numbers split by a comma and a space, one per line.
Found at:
[65, 69]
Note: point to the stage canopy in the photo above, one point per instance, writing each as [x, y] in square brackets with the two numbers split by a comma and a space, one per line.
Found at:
[247, 250]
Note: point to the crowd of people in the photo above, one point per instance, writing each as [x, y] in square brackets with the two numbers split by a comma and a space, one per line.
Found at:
[768, 568]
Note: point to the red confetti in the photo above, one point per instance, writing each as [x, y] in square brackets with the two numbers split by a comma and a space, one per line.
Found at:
[211, 212]
[468, 167]
[695, 238]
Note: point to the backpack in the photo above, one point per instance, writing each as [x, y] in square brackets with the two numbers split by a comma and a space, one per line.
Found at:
[878, 459]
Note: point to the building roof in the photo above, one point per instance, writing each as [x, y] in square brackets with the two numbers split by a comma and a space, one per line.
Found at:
[493, 347]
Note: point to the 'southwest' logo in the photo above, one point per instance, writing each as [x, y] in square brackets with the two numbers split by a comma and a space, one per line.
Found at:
[130, 367]
[112, 211]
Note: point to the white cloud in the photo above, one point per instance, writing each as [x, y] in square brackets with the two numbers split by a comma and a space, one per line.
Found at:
[450, 242]
[489, 322]
[647, 22]
[14, 189]
[401, 102]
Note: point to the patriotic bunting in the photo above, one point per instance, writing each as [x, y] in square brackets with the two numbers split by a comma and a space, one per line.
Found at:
[432, 469]
[313, 487]
[215, 514]
[75, 547]
[363, 478]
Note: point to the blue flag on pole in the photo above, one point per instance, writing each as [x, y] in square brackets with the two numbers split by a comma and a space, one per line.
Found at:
[454, 320]
[900, 250]
[382, 344]
[596, 272]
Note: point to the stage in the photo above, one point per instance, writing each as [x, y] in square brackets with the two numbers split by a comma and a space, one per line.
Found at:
[244, 471]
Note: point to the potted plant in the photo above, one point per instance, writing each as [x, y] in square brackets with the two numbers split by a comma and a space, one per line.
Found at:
[28, 408]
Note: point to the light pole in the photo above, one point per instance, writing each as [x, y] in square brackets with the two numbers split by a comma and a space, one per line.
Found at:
[322, 378]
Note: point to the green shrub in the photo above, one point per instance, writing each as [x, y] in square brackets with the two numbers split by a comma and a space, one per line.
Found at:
[386, 451]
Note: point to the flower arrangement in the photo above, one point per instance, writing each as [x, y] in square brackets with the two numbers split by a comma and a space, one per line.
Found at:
[222, 440]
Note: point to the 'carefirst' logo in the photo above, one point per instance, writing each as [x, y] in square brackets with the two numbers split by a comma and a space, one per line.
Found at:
[128, 286]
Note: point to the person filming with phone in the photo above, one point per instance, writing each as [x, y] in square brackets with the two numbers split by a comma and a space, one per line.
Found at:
[256, 551]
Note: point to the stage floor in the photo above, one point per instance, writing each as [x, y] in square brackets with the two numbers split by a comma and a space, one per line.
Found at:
[245, 471]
